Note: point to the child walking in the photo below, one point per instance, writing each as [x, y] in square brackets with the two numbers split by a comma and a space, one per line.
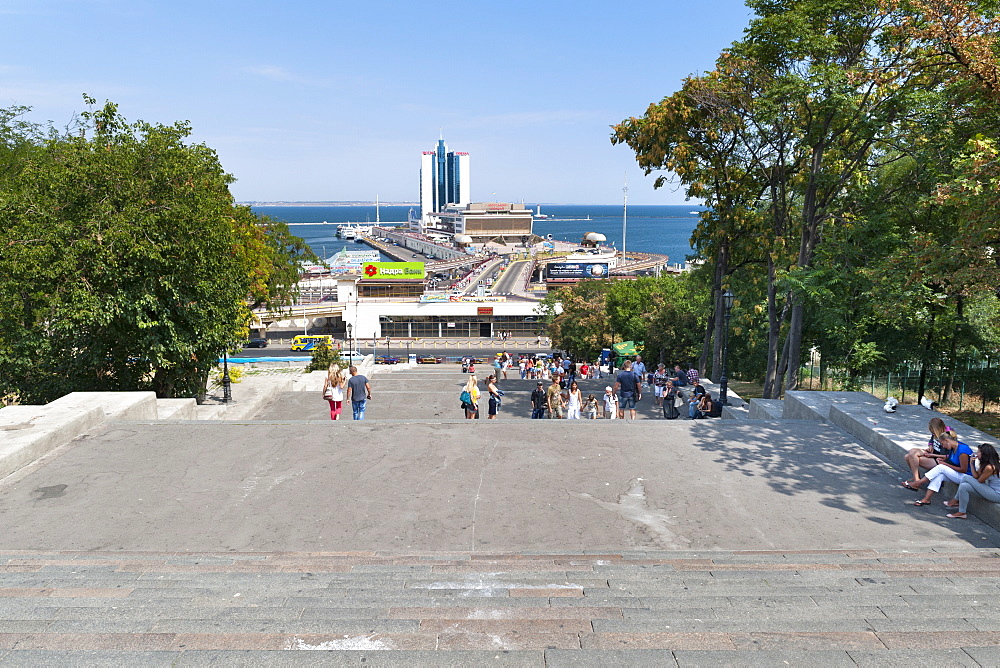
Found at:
[610, 404]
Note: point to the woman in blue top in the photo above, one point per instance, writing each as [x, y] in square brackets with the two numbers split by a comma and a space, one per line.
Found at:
[985, 483]
[957, 465]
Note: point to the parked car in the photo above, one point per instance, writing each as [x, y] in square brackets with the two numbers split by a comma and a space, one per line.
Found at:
[429, 359]
[386, 359]
[256, 343]
[352, 356]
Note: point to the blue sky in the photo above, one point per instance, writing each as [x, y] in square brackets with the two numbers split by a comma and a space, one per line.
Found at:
[336, 100]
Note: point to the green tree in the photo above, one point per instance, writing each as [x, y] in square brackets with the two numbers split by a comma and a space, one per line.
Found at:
[126, 264]
[322, 357]
[577, 318]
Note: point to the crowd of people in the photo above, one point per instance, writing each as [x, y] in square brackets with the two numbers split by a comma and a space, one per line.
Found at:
[558, 395]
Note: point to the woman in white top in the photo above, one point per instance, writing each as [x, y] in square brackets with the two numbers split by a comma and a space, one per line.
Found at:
[333, 390]
[575, 403]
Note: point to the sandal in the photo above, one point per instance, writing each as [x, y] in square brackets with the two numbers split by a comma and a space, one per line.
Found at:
[957, 516]
[921, 503]
[907, 485]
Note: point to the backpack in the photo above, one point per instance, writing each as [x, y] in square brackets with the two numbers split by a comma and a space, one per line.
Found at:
[465, 397]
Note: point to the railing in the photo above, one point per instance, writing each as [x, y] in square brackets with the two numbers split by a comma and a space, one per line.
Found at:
[903, 382]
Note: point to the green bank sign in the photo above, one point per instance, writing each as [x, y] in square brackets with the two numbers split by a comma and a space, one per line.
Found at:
[395, 271]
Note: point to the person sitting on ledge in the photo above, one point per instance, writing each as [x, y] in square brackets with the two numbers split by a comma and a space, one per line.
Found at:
[957, 464]
[984, 484]
[932, 455]
[708, 407]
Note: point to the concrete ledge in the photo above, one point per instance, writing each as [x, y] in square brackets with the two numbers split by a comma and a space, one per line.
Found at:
[894, 434]
[766, 409]
[809, 405]
[735, 412]
[176, 409]
[30, 432]
[115, 405]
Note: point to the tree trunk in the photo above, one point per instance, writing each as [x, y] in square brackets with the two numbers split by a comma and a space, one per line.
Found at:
[927, 348]
[950, 383]
[773, 332]
[949, 387]
[794, 344]
[823, 369]
[719, 309]
[706, 346]
[782, 365]
[713, 329]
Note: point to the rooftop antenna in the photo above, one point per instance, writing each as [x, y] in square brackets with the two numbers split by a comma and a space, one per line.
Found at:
[624, 215]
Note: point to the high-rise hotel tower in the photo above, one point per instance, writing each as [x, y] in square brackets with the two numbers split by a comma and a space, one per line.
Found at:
[444, 180]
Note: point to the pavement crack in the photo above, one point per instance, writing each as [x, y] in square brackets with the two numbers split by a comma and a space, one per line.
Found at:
[634, 507]
[482, 476]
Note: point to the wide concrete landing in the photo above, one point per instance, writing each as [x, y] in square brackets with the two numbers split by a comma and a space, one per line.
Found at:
[481, 486]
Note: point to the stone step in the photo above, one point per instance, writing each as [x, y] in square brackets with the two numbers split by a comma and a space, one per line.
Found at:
[638, 608]
[766, 409]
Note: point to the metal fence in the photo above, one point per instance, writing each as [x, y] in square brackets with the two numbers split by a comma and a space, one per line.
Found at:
[903, 382]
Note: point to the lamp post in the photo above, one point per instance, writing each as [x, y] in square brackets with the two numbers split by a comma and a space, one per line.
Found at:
[227, 392]
[350, 345]
[388, 353]
[727, 301]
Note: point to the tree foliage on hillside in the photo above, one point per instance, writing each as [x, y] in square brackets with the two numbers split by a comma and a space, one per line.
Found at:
[847, 149]
[666, 314]
[126, 264]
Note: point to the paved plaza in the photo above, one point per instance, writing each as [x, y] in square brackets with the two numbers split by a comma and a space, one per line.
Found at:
[651, 542]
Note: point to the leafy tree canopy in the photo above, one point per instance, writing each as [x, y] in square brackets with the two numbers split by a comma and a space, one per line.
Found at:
[126, 264]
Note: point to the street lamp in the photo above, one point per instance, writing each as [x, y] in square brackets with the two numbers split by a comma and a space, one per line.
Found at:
[388, 353]
[350, 345]
[727, 302]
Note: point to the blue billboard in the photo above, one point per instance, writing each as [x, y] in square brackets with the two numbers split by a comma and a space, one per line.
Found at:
[575, 271]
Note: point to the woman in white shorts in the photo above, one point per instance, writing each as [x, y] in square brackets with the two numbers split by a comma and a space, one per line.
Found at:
[660, 384]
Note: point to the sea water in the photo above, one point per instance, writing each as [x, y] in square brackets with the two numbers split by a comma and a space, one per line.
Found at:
[664, 229]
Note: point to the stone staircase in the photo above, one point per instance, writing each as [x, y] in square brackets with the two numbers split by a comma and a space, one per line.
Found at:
[845, 607]
[506, 542]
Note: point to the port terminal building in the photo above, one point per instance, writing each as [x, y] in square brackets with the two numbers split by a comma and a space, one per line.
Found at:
[482, 222]
[399, 308]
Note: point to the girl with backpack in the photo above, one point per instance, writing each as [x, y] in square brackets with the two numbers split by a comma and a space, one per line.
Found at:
[470, 398]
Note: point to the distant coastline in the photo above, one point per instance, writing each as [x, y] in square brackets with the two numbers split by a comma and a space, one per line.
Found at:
[353, 203]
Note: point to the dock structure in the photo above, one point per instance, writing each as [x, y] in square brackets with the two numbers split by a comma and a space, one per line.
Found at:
[153, 532]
